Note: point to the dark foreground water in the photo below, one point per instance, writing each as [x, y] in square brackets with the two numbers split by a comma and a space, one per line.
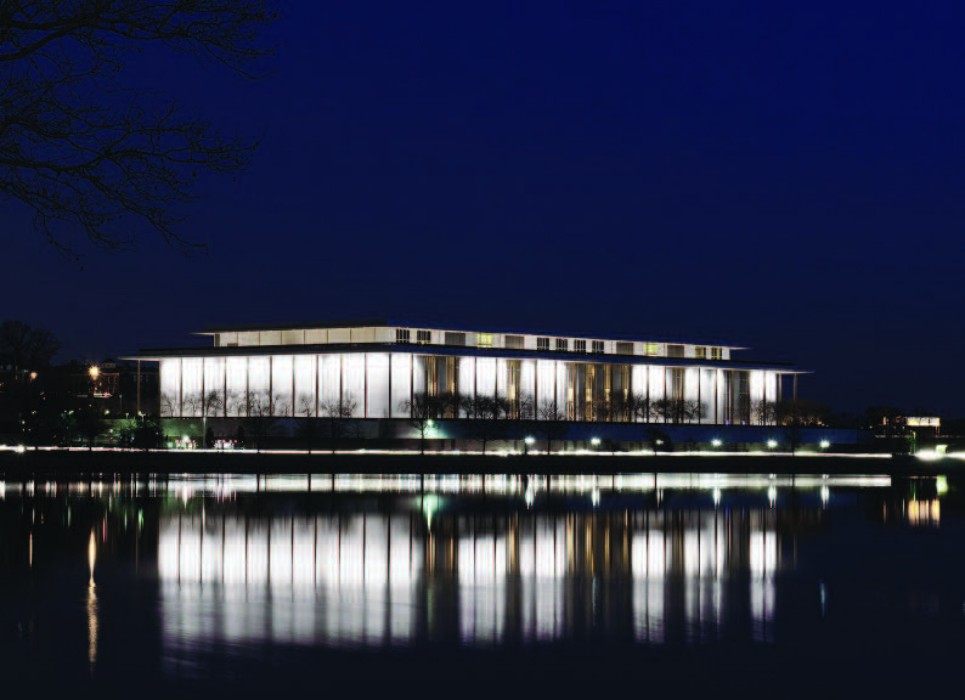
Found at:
[453, 586]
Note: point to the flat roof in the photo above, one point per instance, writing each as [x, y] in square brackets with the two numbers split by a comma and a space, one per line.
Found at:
[397, 323]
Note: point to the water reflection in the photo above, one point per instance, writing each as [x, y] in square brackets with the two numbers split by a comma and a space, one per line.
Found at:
[245, 563]
[375, 579]
[92, 623]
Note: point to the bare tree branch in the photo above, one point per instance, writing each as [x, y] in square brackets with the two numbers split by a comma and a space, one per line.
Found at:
[84, 152]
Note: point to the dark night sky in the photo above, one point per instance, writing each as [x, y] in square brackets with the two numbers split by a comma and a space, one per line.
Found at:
[784, 175]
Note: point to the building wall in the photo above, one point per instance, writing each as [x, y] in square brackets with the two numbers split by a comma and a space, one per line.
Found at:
[378, 385]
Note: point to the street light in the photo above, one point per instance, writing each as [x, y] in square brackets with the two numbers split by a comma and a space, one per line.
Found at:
[528, 442]
[94, 371]
[771, 444]
[595, 442]
[825, 444]
[716, 442]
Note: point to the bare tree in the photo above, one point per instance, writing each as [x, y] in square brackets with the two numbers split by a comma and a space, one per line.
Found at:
[82, 149]
[483, 412]
[639, 406]
[423, 410]
[764, 412]
[552, 422]
[23, 348]
[336, 410]
[258, 421]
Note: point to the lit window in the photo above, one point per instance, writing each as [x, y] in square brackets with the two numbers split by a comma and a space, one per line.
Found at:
[423, 337]
[624, 348]
[484, 340]
[542, 343]
[402, 335]
[716, 353]
[700, 352]
[562, 344]
[598, 347]
[653, 349]
[579, 346]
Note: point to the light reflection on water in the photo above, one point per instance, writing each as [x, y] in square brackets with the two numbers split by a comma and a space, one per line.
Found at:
[380, 562]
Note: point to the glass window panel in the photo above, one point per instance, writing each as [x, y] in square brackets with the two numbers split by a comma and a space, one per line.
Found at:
[657, 382]
[330, 371]
[236, 370]
[353, 382]
[418, 374]
[191, 377]
[306, 403]
[401, 383]
[377, 373]
[282, 381]
[170, 384]
[214, 386]
[486, 376]
[259, 378]
[545, 382]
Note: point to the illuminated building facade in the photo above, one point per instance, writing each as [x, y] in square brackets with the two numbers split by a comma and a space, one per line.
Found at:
[378, 370]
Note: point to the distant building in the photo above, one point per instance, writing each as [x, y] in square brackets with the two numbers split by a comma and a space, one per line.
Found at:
[379, 368]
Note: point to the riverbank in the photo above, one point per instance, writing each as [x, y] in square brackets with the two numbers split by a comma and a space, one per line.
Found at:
[54, 463]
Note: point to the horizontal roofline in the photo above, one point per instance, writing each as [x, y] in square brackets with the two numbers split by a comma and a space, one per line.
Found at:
[154, 354]
[396, 323]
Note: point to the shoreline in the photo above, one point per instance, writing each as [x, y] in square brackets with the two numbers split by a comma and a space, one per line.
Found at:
[62, 463]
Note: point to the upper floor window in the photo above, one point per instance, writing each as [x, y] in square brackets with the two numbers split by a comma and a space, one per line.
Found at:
[562, 344]
[484, 340]
[700, 352]
[453, 338]
[579, 346]
[598, 347]
[716, 353]
[542, 343]
[624, 348]
[514, 342]
[402, 335]
[653, 349]
[675, 351]
[423, 337]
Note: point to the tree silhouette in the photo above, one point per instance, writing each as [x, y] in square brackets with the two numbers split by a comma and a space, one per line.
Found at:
[335, 410]
[552, 422]
[423, 409]
[23, 348]
[82, 149]
[484, 411]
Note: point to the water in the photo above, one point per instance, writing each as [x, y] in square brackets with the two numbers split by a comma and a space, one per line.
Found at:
[695, 584]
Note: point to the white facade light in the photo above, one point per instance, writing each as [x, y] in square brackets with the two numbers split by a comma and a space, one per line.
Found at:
[595, 442]
[716, 442]
[771, 444]
[825, 444]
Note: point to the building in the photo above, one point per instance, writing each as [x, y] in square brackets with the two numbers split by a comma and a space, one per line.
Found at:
[380, 369]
